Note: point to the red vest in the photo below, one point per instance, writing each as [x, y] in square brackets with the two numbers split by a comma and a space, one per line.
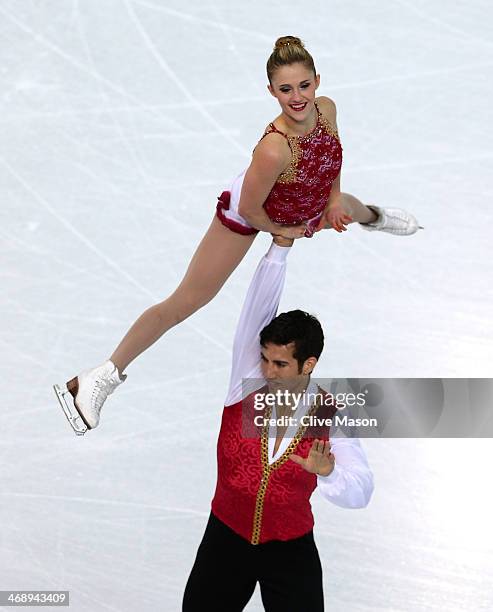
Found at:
[262, 502]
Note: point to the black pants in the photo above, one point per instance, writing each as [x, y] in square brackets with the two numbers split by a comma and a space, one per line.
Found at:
[227, 568]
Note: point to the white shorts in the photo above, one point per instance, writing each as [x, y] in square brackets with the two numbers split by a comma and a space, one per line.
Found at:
[227, 211]
[227, 208]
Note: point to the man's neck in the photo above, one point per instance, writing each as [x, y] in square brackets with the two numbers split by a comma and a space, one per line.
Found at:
[292, 396]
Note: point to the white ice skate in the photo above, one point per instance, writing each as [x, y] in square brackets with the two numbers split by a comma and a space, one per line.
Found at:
[392, 220]
[88, 393]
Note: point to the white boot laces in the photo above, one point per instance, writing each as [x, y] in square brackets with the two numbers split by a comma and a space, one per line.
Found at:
[103, 387]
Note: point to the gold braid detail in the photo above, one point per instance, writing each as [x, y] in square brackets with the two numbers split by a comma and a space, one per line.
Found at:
[267, 469]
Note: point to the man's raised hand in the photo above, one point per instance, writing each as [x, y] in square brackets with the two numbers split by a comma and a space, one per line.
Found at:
[320, 460]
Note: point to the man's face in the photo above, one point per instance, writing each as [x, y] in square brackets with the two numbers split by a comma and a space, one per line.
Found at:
[281, 369]
[278, 363]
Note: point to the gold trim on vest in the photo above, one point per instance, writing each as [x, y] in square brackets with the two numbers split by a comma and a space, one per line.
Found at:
[267, 469]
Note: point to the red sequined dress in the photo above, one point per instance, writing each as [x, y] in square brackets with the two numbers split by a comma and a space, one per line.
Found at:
[301, 192]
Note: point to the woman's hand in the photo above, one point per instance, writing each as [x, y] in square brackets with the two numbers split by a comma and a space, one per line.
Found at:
[336, 217]
[291, 231]
[281, 241]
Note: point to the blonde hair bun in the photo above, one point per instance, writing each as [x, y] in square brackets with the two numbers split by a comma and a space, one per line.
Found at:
[288, 50]
[286, 41]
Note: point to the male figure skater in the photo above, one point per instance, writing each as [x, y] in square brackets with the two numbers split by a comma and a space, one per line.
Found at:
[261, 525]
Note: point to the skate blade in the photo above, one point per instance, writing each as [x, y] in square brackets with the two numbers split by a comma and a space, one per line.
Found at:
[70, 411]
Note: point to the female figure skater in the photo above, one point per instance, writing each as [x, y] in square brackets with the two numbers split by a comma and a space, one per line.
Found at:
[291, 189]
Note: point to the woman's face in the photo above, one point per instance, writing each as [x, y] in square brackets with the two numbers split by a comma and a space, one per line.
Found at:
[294, 86]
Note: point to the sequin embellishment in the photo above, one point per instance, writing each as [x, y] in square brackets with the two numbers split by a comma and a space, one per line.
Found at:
[302, 190]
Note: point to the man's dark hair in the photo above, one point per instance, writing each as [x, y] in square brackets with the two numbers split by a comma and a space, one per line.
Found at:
[299, 327]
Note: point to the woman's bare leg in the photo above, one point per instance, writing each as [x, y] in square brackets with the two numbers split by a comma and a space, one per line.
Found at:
[357, 210]
[218, 254]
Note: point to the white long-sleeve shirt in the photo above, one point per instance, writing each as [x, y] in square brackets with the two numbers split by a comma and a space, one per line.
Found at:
[350, 484]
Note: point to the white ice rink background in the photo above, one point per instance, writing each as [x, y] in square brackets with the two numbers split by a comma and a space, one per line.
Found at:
[121, 122]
